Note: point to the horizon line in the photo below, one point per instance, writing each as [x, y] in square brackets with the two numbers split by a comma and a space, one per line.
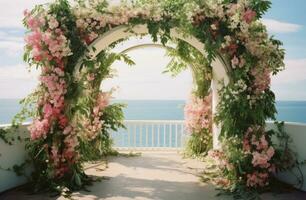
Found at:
[300, 100]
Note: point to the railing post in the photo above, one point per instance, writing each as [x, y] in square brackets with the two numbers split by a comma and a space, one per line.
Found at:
[170, 141]
[147, 136]
[176, 136]
[134, 134]
[170, 129]
[128, 134]
[152, 132]
[164, 134]
[158, 136]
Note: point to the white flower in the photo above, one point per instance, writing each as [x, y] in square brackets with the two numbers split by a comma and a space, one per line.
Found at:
[213, 27]
[53, 23]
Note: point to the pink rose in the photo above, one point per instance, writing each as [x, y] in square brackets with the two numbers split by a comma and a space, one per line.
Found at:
[90, 77]
[249, 15]
[48, 110]
[235, 62]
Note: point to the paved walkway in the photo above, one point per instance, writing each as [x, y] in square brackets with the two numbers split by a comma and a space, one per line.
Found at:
[160, 176]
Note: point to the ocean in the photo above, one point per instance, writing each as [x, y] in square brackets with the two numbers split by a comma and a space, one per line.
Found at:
[290, 111]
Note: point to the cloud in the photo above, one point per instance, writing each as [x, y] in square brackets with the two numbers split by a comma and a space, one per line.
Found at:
[8, 36]
[16, 81]
[12, 11]
[18, 72]
[11, 48]
[11, 44]
[295, 71]
[145, 80]
[280, 26]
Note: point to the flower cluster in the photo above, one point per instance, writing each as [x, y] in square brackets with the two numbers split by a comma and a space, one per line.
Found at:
[46, 45]
[61, 160]
[93, 126]
[258, 146]
[257, 179]
[49, 47]
[198, 114]
[262, 79]
[90, 22]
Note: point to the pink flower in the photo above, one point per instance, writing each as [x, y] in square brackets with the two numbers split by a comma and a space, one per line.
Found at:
[262, 79]
[48, 111]
[91, 77]
[246, 144]
[53, 23]
[39, 129]
[96, 110]
[232, 9]
[103, 100]
[232, 49]
[198, 114]
[257, 179]
[261, 160]
[26, 13]
[67, 130]
[63, 121]
[263, 143]
[235, 62]
[242, 62]
[249, 15]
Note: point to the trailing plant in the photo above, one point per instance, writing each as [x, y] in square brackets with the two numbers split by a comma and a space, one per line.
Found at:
[101, 145]
[226, 169]
[4, 138]
[198, 144]
[198, 122]
[6, 135]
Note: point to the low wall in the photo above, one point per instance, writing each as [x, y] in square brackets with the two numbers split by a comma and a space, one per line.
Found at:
[297, 132]
[15, 154]
[11, 155]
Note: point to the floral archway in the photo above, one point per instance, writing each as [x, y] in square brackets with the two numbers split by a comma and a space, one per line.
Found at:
[71, 114]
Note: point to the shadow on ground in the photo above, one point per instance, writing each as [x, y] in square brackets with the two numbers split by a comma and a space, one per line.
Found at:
[162, 176]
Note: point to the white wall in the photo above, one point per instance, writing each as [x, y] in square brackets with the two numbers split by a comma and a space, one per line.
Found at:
[297, 132]
[9, 156]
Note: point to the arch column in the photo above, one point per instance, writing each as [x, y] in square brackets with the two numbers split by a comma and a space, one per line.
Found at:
[219, 76]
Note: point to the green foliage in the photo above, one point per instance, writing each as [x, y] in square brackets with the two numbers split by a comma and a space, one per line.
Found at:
[184, 56]
[101, 146]
[285, 158]
[3, 136]
[260, 6]
[29, 108]
[198, 144]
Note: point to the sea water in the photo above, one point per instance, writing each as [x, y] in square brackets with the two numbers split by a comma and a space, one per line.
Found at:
[290, 111]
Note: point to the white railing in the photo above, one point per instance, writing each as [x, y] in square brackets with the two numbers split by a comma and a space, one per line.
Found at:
[150, 135]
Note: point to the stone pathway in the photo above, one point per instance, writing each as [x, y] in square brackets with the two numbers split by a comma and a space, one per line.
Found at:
[158, 176]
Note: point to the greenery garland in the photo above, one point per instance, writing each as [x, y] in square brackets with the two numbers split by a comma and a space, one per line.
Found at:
[70, 106]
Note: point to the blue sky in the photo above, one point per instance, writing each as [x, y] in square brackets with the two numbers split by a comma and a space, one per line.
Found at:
[286, 20]
[291, 30]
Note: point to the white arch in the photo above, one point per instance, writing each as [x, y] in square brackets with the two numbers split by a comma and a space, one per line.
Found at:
[220, 69]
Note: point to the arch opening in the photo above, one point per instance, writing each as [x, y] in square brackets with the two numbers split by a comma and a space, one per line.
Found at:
[70, 108]
[220, 69]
